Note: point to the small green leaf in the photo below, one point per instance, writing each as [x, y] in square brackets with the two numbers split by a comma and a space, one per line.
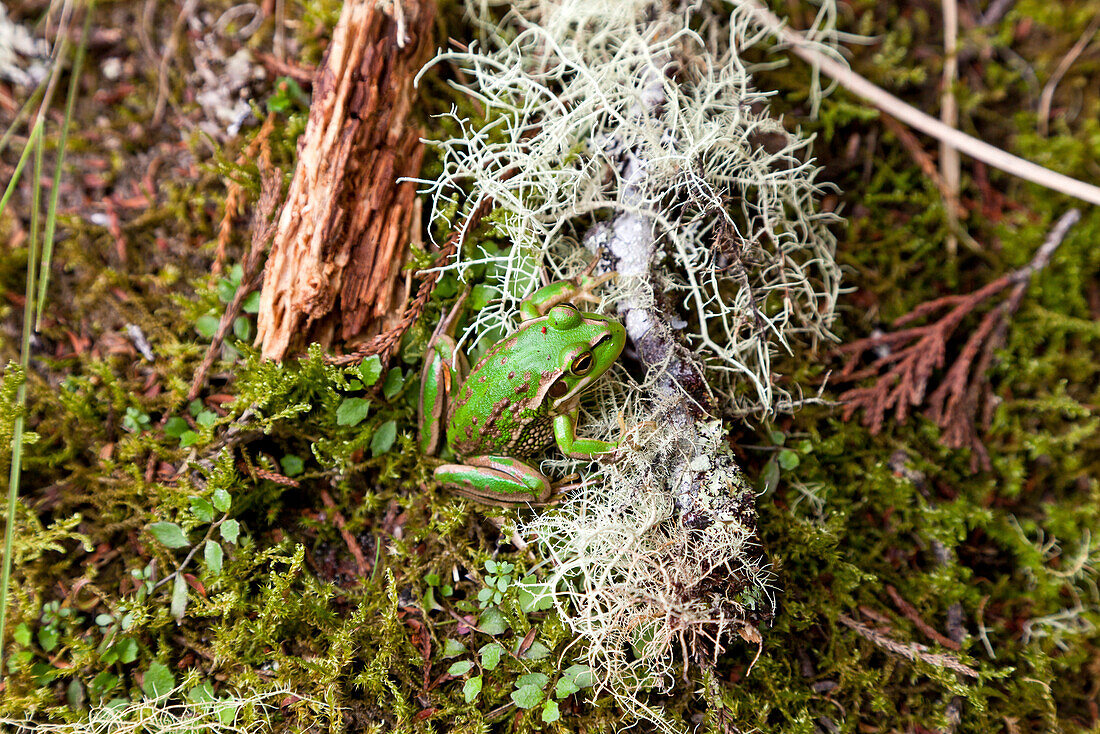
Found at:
[462, 667]
[480, 295]
[292, 465]
[492, 622]
[251, 302]
[431, 579]
[48, 638]
[527, 697]
[778, 437]
[195, 407]
[395, 380]
[352, 411]
[788, 459]
[74, 693]
[188, 439]
[22, 634]
[202, 693]
[179, 597]
[158, 680]
[537, 651]
[539, 680]
[471, 688]
[170, 534]
[207, 326]
[202, 509]
[242, 328]
[490, 655]
[175, 426]
[127, 649]
[213, 554]
[222, 500]
[226, 290]
[230, 530]
[581, 675]
[565, 686]
[550, 712]
[370, 369]
[206, 418]
[383, 438]
[453, 648]
[770, 475]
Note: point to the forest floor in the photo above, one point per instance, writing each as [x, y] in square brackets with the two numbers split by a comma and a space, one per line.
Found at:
[275, 551]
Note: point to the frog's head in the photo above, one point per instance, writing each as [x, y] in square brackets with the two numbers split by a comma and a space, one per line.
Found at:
[587, 344]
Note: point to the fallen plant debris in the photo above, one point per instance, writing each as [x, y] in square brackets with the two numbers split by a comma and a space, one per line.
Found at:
[911, 355]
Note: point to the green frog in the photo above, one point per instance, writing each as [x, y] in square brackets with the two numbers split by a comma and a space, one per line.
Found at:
[519, 398]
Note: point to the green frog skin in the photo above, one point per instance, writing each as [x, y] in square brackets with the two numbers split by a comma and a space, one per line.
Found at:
[522, 396]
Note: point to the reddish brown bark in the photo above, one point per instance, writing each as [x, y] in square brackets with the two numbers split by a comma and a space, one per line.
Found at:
[343, 234]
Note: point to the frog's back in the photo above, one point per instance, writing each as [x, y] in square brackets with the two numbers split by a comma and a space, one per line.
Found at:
[501, 408]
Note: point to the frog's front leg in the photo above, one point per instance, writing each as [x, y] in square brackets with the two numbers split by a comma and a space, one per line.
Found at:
[565, 436]
[562, 291]
[496, 480]
[443, 371]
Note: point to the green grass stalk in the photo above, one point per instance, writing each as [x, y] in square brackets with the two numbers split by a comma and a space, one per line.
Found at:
[55, 191]
[21, 396]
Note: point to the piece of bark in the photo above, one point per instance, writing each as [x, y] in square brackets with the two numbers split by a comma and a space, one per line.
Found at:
[334, 273]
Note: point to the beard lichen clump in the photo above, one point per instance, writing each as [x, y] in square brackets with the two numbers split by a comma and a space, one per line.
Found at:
[630, 132]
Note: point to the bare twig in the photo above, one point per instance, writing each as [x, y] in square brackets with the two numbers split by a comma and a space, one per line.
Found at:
[995, 11]
[912, 651]
[1047, 97]
[913, 117]
[349, 539]
[170, 50]
[913, 616]
[235, 194]
[263, 230]
[950, 164]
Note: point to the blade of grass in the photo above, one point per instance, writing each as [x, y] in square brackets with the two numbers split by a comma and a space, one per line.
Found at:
[22, 114]
[55, 191]
[21, 396]
[35, 144]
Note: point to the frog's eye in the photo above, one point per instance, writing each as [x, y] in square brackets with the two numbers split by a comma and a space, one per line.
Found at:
[582, 364]
[564, 316]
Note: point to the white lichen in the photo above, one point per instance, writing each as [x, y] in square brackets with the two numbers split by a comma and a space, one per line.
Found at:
[628, 130]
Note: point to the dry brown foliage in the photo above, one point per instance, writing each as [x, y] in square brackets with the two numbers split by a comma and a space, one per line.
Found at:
[909, 357]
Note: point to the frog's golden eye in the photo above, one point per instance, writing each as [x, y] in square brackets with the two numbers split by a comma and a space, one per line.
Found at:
[582, 364]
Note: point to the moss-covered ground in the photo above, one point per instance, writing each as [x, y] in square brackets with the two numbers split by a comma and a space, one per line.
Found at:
[280, 534]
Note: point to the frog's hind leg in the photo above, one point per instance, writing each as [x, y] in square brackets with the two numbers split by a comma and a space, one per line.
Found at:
[442, 371]
[496, 480]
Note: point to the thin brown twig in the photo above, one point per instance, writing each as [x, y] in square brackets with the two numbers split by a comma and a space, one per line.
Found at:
[263, 230]
[1046, 99]
[170, 50]
[913, 616]
[910, 651]
[349, 539]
